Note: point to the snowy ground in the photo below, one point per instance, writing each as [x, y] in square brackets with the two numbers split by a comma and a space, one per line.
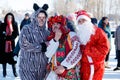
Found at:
[109, 73]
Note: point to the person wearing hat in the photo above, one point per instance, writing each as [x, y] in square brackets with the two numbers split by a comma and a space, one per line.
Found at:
[25, 21]
[94, 47]
[33, 61]
[63, 50]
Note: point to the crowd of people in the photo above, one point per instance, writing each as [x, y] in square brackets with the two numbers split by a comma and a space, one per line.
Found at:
[57, 47]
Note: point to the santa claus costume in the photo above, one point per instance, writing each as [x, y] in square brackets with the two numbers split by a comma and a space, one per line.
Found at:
[94, 47]
[65, 52]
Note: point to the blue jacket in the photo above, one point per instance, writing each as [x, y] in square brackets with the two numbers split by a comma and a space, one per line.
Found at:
[106, 30]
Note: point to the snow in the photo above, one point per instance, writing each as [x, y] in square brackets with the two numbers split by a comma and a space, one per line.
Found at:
[108, 75]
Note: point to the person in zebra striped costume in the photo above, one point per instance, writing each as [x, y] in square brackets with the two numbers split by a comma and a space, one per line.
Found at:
[32, 40]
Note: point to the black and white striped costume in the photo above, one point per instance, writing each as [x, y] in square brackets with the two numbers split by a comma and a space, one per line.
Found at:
[32, 61]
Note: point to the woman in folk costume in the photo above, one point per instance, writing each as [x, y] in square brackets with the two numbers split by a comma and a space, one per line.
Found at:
[33, 61]
[94, 47]
[63, 50]
[8, 33]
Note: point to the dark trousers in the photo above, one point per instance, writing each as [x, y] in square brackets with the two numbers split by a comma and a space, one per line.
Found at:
[107, 56]
[118, 58]
[116, 54]
[13, 68]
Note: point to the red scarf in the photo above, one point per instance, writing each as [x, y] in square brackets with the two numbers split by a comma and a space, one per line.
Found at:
[8, 43]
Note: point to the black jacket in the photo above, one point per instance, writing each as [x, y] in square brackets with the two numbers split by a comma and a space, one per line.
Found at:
[25, 22]
[71, 25]
[3, 37]
[5, 57]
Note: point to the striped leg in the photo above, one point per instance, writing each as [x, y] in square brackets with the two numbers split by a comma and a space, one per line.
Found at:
[28, 75]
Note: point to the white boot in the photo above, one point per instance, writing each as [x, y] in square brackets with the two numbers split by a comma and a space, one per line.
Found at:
[106, 65]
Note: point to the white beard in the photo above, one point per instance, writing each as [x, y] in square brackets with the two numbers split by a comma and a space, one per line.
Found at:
[85, 31]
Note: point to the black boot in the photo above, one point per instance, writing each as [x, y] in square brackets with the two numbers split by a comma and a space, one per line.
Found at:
[117, 68]
[14, 70]
[4, 70]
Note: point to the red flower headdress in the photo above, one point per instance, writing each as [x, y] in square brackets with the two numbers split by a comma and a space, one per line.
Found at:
[58, 19]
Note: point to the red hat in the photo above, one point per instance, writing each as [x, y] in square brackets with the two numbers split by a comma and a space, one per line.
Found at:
[82, 14]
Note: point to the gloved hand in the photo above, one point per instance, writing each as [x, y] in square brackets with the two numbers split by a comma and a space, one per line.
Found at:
[44, 47]
[14, 54]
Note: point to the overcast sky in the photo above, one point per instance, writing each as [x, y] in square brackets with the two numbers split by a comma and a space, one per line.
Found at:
[22, 4]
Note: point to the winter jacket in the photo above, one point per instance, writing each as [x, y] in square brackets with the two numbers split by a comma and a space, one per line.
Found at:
[117, 38]
[24, 22]
[106, 30]
[4, 57]
[94, 20]
[71, 25]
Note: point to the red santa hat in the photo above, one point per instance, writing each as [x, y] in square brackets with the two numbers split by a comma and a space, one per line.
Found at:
[82, 14]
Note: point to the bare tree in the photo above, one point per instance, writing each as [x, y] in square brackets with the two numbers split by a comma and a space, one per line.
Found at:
[65, 6]
[98, 8]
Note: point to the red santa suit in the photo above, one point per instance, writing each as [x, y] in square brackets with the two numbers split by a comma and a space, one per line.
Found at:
[94, 52]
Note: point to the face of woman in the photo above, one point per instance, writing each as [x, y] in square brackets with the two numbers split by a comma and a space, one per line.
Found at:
[41, 19]
[106, 21]
[55, 27]
[9, 18]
